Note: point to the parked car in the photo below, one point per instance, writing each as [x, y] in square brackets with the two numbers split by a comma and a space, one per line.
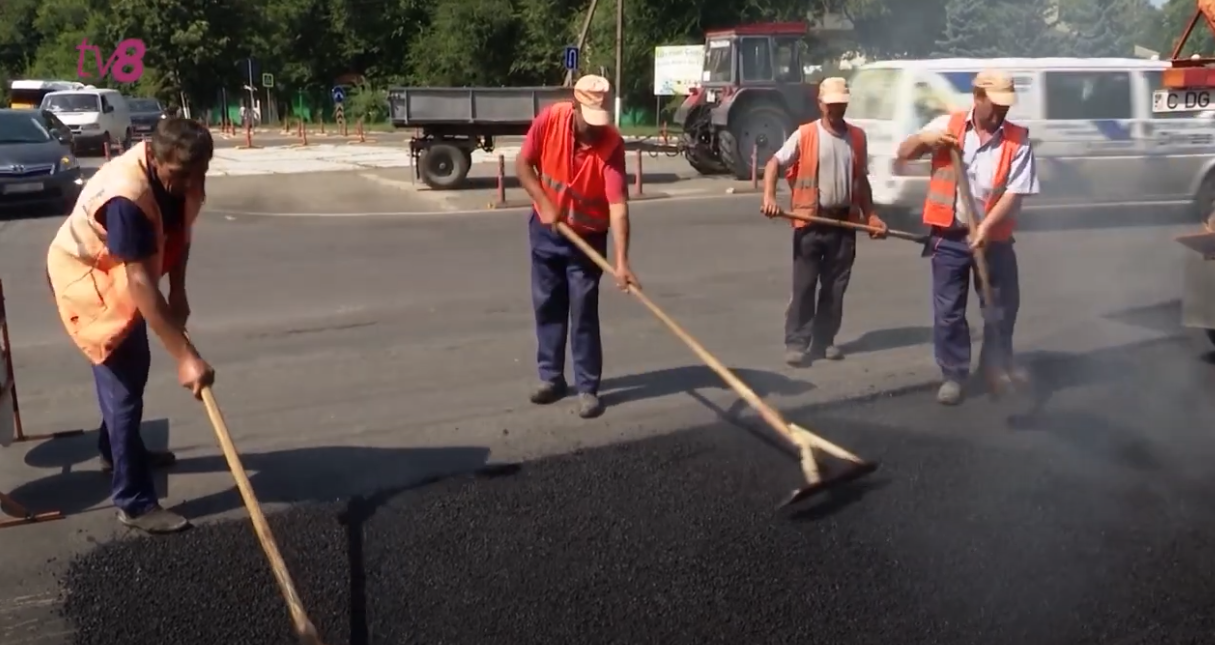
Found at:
[57, 128]
[37, 168]
[145, 114]
[96, 116]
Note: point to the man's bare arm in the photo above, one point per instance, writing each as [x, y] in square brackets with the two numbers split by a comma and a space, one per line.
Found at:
[177, 272]
[913, 148]
[155, 309]
[529, 179]
[619, 216]
[771, 176]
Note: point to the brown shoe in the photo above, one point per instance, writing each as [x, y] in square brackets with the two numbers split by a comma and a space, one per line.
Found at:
[155, 520]
[156, 458]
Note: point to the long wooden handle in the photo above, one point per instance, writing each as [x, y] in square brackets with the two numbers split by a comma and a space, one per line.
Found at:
[771, 416]
[972, 223]
[814, 219]
[303, 626]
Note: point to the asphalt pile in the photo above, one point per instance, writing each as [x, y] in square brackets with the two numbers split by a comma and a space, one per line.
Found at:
[1078, 531]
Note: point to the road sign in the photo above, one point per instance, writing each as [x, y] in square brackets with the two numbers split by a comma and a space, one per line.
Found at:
[339, 114]
[267, 80]
[339, 94]
[571, 57]
[1192, 100]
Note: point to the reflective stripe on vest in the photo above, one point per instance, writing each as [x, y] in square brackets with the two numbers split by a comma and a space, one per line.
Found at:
[579, 193]
[580, 213]
[940, 204]
[803, 173]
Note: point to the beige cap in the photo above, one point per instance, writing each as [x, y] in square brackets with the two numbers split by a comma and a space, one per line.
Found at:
[997, 85]
[591, 91]
[833, 90]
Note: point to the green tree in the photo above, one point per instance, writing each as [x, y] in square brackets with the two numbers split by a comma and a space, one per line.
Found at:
[969, 25]
[1177, 14]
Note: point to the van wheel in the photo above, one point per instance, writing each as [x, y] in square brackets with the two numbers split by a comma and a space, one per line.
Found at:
[1211, 336]
[126, 141]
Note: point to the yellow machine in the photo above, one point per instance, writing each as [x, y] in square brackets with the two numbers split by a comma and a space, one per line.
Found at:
[29, 93]
[1189, 86]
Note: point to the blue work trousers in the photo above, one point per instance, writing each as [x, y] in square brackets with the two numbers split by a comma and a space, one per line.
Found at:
[952, 268]
[120, 385]
[565, 296]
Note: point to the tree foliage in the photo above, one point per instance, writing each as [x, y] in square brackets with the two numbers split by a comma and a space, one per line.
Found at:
[196, 48]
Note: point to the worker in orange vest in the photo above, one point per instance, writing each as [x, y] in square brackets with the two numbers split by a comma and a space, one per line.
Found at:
[572, 166]
[131, 226]
[827, 161]
[1000, 165]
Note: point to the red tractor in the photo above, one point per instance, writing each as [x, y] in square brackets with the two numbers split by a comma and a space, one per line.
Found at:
[752, 96]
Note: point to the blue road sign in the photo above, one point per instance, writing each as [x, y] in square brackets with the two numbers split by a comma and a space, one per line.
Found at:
[571, 57]
[339, 94]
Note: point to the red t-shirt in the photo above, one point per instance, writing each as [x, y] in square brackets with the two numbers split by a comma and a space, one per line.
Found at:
[614, 173]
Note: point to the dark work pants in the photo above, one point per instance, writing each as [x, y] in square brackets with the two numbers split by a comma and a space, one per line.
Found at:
[822, 261]
[120, 384]
[952, 268]
[565, 296]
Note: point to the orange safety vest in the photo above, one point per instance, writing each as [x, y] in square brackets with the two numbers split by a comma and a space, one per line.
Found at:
[803, 173]
[90, 286]
[940, 205]
[579, 193]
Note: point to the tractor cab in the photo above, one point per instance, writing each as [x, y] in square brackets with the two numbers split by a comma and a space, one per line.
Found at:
[753, 94]
[756, 54]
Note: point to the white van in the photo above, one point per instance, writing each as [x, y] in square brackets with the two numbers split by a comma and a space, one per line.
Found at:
[95, 116]
[1096, 139]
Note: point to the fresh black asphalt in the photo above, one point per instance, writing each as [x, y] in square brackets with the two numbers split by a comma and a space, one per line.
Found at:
[1078, 515]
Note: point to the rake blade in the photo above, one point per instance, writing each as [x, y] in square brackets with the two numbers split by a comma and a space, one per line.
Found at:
[852, 474]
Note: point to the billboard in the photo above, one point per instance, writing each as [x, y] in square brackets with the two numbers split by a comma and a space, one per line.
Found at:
[677, 68]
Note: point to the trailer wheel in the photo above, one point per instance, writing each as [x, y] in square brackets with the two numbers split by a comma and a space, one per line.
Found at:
[1211, 336]
[445, 166]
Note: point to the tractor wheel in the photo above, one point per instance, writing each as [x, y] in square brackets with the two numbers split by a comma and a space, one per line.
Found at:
[701, 157]
[762, 128]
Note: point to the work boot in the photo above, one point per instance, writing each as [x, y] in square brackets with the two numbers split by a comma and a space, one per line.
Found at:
[155, 520]
[156, 459]
[950, 393]
[795, 357]
[833, 353]
[547, 393]
[1019, 376]
[589, 406]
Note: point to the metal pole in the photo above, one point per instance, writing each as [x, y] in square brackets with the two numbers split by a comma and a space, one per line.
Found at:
[619, 52]
[586, 27]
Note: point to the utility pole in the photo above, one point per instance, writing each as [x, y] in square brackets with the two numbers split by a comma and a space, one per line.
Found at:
[586, 27]
[619, 53]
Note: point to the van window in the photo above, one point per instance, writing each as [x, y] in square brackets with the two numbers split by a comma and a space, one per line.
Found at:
[1088, 95]
[71, 103]
[873, 94]
[1155, 81]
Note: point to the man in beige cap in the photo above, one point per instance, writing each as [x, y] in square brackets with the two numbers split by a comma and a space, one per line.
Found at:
[827, 162]
[572, 166]
[1000, 164]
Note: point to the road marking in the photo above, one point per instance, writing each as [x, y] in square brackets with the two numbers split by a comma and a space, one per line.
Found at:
[477, 211]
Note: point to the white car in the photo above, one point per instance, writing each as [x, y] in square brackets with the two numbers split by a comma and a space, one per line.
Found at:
[95, 116]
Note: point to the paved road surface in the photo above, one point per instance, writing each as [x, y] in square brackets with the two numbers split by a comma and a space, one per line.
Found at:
[362, 354]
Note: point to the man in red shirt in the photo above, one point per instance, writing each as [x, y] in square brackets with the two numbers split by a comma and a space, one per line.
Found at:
[565, 283]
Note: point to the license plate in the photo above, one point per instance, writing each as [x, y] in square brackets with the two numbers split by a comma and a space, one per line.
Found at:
[12, 189]
[1182, 100]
